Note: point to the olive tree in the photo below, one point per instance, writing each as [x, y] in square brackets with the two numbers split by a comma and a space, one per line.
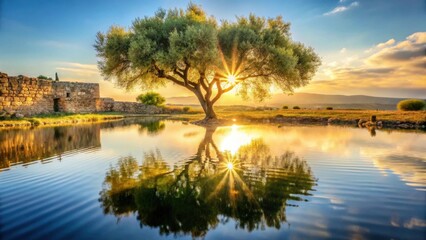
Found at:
[191, 50]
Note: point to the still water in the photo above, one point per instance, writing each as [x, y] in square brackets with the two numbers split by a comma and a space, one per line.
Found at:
[158, 179]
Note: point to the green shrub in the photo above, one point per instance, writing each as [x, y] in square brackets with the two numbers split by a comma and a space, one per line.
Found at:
[296, 107]
[186, 109]
[34, 122]
[329, 108]
[44, 77]
[285, 107]
[151, 98]
[411, 105]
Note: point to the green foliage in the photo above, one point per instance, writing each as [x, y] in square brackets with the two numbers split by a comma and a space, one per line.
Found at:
[44, 77]
[329, 108]
[34, 122]
[189, 199]
[411, 105]
[151, 98]
[151, 126]
[186, 109]
[285, 107]
[193, 51]
[296, 107]
[56, 76]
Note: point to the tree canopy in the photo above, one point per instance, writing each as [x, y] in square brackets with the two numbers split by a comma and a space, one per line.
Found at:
[190, 49]
[151, 98]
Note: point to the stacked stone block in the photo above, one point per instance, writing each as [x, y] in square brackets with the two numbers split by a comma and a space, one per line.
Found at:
[105, 105]
[76, 97]
[135, 107]
[26, 96]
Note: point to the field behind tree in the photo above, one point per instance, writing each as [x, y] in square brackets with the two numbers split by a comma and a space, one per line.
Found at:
[245, 112]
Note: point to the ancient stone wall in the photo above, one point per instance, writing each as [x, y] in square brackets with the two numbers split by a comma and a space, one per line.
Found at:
[25, 95]
[109, 105]
[135, 107]
[29, 96]
[104, 105]
[76, 97]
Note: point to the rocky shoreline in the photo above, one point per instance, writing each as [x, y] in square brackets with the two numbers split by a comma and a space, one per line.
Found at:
[284, 120]
[347, 122]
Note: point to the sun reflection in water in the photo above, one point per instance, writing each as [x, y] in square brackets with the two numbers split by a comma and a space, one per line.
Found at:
[234, 140]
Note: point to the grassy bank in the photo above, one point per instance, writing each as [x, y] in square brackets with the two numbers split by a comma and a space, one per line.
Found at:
[345, 117]
[392, 119]
[59, 119]
[403, 116]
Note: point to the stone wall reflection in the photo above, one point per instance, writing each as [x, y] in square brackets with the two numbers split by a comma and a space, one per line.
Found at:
[23, 146]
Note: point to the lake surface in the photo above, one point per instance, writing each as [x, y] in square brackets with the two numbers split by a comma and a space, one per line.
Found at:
[157, 179]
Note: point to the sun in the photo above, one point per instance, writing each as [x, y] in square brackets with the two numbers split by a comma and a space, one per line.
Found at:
[232, 79]
[230, 166]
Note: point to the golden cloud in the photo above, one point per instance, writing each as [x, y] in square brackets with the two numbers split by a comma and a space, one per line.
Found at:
[390, 66]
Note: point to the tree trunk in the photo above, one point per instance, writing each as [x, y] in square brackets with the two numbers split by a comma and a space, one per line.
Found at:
[210, 114]
[207, 106]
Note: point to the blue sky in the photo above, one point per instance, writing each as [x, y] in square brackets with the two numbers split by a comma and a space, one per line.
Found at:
[44, 37]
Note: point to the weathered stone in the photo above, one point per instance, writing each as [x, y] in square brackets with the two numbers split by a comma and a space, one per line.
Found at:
[30, 96]
[134, 107]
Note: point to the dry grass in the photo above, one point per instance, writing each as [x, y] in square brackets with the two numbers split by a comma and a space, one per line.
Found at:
[59, 119]
[386, 115]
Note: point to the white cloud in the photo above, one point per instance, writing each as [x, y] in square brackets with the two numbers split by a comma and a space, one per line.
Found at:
[368, 50]
[343, 50]
[354, 4]
[410, 53]
[392, 67]
[340, 9]
[385, 44]
[80, 65]
[79, 69]
[418, 37]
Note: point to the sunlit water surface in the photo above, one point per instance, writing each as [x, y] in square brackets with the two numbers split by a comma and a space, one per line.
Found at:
[151, 179]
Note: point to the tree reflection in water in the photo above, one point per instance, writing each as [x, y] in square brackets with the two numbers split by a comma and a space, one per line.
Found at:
[252, 187]
[151, 127]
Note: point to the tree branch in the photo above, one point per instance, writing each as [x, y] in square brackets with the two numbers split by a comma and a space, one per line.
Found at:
[219, 90]
[160, 73]
[254, 76]
[202, 82]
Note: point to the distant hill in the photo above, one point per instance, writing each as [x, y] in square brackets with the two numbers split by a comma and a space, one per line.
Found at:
[305, 100]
